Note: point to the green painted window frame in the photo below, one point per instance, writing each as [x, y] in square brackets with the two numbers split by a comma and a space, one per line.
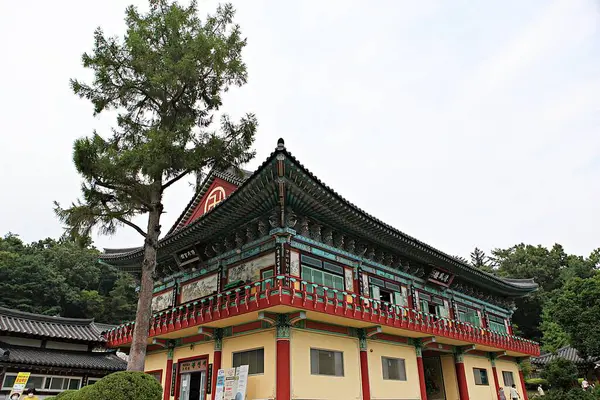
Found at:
[337, 281]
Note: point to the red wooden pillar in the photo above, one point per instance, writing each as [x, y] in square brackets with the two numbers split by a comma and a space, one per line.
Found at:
[216, 358]
[168, 376]
[364, 366]
[495, 372]
[522, 379]
[283, 372]
[461, 376]
[421, 370]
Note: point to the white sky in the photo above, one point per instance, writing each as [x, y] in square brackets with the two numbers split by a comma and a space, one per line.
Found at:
[460, 123]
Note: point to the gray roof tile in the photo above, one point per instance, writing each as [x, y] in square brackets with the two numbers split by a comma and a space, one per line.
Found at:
[24, 323]
[107, 361]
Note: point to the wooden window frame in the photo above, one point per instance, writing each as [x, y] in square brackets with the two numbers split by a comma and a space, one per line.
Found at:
[249, 350]
[487, 376]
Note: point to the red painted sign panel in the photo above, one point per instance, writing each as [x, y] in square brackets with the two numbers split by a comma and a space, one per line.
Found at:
[218, 191]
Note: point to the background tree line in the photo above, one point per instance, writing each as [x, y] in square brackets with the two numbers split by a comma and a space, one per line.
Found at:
[63, 277]
[566, 308]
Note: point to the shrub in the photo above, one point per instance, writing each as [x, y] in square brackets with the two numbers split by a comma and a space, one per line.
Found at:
[533, 383]
[67, 395]
[573, 394]
[560, 374]
[125, 385]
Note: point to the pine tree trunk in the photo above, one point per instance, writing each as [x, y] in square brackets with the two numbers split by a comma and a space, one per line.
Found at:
[141, 329]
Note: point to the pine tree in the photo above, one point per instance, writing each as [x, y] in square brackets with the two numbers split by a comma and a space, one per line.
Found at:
[481, 261]
[165, 79]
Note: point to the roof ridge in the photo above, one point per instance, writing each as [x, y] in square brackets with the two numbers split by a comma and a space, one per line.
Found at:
[8, 346]
[45, 318]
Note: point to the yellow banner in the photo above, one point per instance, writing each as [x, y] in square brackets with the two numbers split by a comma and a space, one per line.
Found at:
[19, 385]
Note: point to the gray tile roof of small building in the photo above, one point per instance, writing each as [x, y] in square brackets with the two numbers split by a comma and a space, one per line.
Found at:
[21, 355]
[566, 352]
[23, 323]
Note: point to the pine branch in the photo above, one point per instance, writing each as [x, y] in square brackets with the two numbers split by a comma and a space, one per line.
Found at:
[131, 224]
[172, 181]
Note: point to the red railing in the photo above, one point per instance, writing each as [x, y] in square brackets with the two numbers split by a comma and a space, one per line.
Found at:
[304, 295]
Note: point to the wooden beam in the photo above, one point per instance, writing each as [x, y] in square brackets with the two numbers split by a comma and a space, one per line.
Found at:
[208, 332]
[159, 342]
[467, 349]
[297, 316]
[269, 318]
[372, 331]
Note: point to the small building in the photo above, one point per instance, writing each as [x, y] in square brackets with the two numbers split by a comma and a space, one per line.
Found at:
[60, 353]
[275, 270]
[588, 368]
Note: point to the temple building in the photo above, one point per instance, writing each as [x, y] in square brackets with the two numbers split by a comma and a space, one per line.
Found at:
[275, 270]
[59, 353]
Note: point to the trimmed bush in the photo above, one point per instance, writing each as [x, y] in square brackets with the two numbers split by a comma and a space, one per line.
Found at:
[125, 385]
[533, 383]
[573, 394]
[560, 374]
[67, 395]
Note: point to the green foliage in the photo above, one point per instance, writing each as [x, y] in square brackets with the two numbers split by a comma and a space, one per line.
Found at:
[554, 337]
[560, 374]
[575, 308]
[61, 278]
[165, 79]
[481, 261]
[533, 383]
[572, 394]
[124, 385]
[550, 268]
[68, 395]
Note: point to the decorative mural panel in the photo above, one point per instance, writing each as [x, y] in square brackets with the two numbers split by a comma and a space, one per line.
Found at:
[250, 270]
[201, 288]
[295, 264]
[163, 301]
[349, 280]
[365, 285]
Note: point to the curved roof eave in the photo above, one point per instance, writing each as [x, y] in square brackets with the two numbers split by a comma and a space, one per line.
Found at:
[515, 286]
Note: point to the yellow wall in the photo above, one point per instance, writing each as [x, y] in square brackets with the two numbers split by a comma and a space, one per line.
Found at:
[479, 392]
[503, 365]
[316, 387]
[156, 361]
[259, 386]
[450, 382]
[391, 389]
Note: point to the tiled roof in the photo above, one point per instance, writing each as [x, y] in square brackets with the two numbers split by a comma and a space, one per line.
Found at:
[24, 323]
[566, 352]
[353, 214]
[106, 361]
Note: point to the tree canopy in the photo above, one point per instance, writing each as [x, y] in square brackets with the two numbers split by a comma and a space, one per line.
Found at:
[576, 309]
[165, 79]
[58, 277]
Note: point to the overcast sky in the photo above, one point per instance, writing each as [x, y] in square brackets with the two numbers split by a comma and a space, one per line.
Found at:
[461, 123]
